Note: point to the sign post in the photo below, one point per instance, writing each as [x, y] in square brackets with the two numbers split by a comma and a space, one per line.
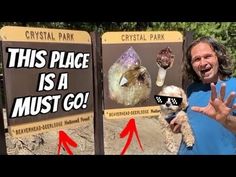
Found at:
[134, 71]
[3, 147]
[48, 79]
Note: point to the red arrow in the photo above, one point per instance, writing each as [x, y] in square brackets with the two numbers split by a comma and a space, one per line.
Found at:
[130, 129]
[63, 140]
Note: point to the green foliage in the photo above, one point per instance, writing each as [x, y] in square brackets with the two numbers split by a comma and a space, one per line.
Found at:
[225, 32]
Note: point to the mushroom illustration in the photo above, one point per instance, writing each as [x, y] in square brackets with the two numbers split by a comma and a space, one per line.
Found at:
[164, 61]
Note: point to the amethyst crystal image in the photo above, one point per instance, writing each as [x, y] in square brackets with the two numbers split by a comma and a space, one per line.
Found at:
[129, 83]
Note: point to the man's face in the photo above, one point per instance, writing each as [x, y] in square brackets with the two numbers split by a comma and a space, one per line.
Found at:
[205, 62]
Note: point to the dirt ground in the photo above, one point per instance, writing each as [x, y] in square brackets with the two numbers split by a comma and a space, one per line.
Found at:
[148, 129]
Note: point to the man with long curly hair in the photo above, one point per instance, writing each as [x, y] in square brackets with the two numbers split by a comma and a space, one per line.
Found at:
[212, 107]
